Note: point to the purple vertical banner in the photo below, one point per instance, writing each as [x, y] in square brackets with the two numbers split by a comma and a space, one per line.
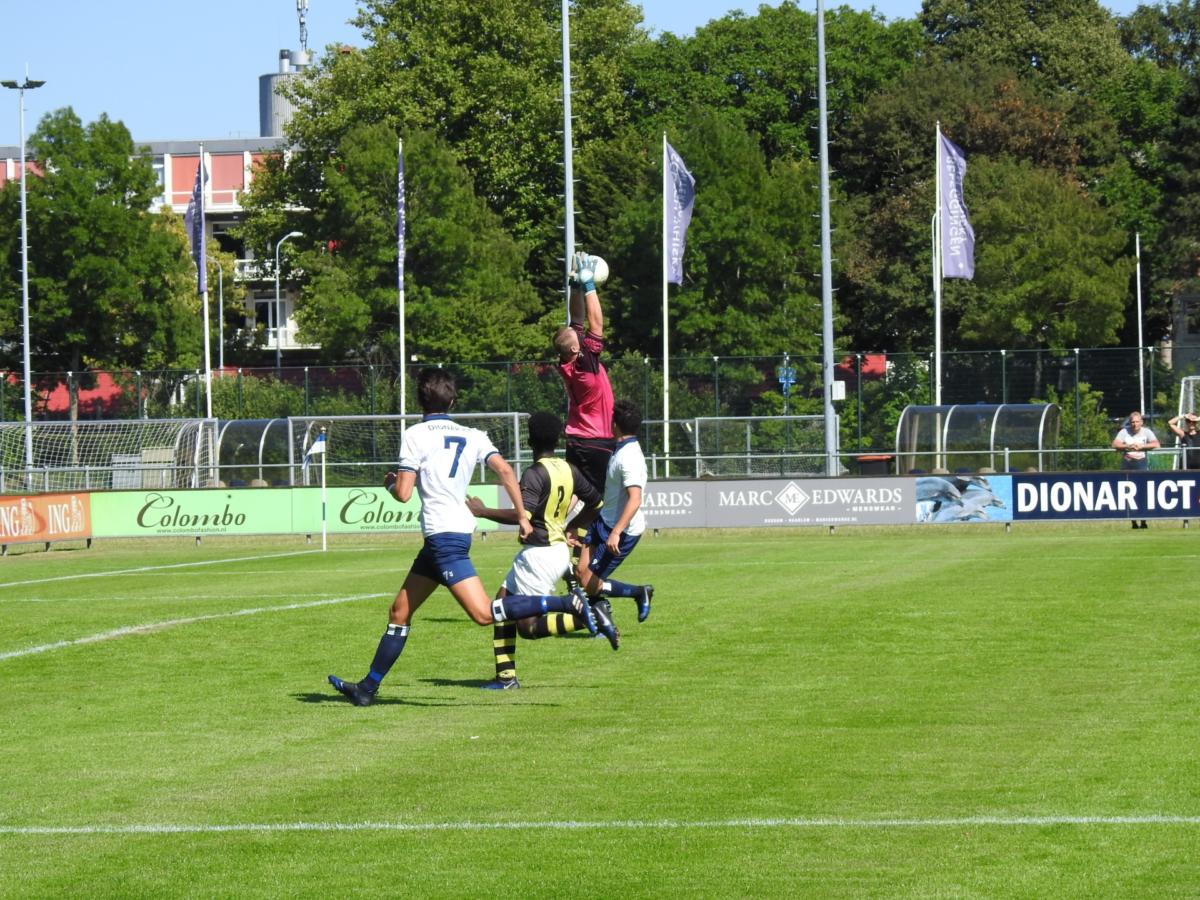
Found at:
[958, 237]
[679, 202]
[401, 225]
[193, 223]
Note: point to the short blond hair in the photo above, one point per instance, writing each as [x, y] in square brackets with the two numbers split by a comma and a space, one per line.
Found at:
[560, 339]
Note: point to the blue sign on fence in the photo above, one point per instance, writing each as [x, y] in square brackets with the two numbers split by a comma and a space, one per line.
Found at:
[1119, 495]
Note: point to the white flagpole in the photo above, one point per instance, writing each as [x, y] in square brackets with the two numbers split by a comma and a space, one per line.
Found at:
[1137, 243]
[400, 272]
[666, 363]
[203, 261]
[937, 272]
[324, 526]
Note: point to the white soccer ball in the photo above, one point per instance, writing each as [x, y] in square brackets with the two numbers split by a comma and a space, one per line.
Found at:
[600, 270]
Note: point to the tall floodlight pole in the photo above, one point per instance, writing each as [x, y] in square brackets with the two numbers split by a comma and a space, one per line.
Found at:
[27, 85]
[568, 158]
[278, 306]
[831, 436]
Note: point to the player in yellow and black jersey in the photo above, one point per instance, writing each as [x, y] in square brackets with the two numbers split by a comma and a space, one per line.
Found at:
[548, 490]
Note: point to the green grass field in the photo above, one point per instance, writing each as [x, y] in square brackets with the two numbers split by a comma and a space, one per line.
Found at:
[930, 712]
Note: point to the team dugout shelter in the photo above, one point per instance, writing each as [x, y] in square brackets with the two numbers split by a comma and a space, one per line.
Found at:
[979, 437]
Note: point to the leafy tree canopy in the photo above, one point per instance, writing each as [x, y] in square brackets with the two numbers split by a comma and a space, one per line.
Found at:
[111, 283]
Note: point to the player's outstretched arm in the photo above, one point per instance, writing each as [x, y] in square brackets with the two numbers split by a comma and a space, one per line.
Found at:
[595, 315]
[479, 511]
[508, 481]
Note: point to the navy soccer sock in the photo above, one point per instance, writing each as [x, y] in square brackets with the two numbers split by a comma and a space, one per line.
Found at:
[520, 606]
[619, 589]
[390, 647]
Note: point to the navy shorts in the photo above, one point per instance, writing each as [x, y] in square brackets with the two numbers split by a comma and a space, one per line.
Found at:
[445, 558]
[604, 562]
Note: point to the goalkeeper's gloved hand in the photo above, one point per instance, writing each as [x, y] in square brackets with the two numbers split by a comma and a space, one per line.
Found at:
[389, 483]
[583, 272]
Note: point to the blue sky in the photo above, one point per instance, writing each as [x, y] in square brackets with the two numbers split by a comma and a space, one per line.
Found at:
[130, 58]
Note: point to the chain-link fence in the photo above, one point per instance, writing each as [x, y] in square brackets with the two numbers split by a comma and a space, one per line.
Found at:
[1094, 387]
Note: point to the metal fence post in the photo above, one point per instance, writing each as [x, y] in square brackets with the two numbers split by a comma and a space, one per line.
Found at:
[858, 391]
[646, 388]
[1150, 395]
[716, 386]
[371, 383]
[1003, 376]
[307, 394]
[1078, 408]
[241, 406]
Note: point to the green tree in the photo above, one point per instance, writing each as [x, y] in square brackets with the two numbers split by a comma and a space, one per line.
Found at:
[761, 69]
[467, 295]
[1051, 268]
[1068, 44]
[748, 271]
[486, 77]
[111, 283]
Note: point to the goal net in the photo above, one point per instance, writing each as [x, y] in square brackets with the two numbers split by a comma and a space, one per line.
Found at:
[361, 449]
[107, 455]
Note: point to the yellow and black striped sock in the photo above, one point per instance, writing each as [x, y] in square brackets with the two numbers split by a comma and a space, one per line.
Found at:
[504, 646]
[553, 625]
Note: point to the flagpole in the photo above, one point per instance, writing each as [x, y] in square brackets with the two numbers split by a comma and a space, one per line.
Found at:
[666, 363]
[324, 526]
[400, 229]
[937, 271]
[202, 260]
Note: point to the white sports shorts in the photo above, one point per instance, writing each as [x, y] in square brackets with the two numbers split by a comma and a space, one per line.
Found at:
[536, 570]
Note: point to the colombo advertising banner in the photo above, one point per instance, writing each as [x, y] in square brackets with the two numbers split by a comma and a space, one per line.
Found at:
[1115, 495]
[353, 510]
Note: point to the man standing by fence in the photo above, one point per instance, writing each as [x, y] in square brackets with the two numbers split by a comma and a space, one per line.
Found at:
[1133, 441]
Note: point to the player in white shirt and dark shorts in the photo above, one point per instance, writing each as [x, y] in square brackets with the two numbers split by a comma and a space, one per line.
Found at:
[618, 528]
[437, 458]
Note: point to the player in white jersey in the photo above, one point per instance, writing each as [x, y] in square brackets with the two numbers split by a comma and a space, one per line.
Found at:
[619, 527]
[437, 458]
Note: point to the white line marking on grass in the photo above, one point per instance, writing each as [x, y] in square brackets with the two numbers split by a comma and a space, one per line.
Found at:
[662, 824]
[172, 623]
[183, 565]
[172, 598]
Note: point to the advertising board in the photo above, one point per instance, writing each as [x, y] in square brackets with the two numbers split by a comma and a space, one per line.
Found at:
[45, 517]
[349, 510]
[1107, 495]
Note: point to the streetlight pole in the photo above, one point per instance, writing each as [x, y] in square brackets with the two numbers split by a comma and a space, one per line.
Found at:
[27, 85]
[278, 306]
